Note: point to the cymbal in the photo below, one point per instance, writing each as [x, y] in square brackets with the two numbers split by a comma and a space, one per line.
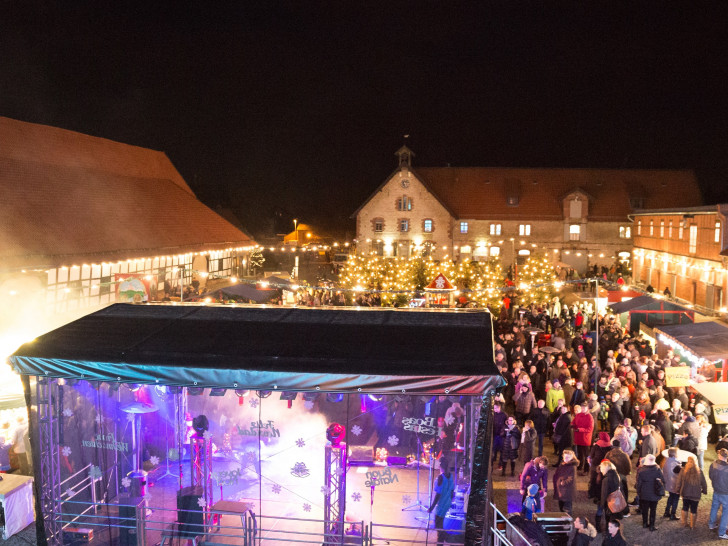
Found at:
[138, 407]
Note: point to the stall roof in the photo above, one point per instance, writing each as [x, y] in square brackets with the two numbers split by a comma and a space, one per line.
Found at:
[271, 348]
[645, 302]
[708, 340]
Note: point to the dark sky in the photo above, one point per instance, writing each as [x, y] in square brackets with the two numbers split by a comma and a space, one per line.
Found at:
[298, 107]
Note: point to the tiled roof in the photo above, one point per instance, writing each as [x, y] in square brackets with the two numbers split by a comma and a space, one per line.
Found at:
[67, 198]
[480, 193]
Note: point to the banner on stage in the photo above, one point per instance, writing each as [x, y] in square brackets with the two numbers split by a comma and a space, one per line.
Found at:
[133, 288]
[678, 376]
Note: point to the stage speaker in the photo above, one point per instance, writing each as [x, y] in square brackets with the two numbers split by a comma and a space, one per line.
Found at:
[127, 520]
[189, 512]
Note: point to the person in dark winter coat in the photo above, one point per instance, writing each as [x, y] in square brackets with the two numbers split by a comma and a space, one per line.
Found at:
[535, 472]
[610, 484]
[692, 485]
[615, 416]
[565, 481]
[614, 535]
[540, 417]
[499, 425]
[528, 439]
[511, 442]
[647, 474]
[596, 456]
[671, 468]
[622, 463]
[525, 402]
[562, 433]
[585, 532]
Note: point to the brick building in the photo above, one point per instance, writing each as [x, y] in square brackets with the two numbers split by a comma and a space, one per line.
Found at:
[579, 216]
[683, 249]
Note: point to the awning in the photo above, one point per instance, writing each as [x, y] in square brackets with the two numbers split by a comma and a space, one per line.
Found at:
[717, 393]
[273, 348]
[242, 290]
[708, 340]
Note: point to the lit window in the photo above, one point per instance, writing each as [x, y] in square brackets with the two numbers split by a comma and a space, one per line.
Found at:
[463, 227]
[717, 232]
[524, 230]
[404, 225]
[428, 226]
[693, 239]
[524, 252]
[669, 230]
[495, 251]
[465, 249]
[680, 231]
[639, 227]
[574, 232]
[652, 228]
[404, 203]
[662, 228]
[625, 232]
[495, 229]
[378, 225]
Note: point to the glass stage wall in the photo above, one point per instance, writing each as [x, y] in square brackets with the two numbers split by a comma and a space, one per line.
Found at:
[146, 464]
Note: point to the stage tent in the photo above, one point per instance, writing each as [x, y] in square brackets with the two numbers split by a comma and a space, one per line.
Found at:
[112, 396]
[650, 311]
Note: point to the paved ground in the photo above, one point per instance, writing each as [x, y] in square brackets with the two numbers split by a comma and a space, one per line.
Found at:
[508, 498]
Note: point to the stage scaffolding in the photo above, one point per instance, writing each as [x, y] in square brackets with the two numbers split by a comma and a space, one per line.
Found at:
[47, 397]
[335, 493]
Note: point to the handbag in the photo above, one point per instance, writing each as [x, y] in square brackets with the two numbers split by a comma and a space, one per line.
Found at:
[616, 502]
[659, 487]
[556, 438]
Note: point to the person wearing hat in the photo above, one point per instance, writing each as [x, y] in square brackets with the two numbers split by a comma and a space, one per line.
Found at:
[596, 455]
[648, 490]
[532, 503]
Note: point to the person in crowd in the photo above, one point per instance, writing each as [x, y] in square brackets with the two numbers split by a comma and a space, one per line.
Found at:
[625, 444]
[616, 417]
[525, 402]
[632, 433]
[610, 484]
[594, 408]
[535, 472]
[704, 431]
[444, 493]
[671, 468]
[649, 444]
[532, 502]
[648, 490]
[499, 426]
[690, 435]
[622, 463]
[583, 426]
[528, 439]
[663, 426]
[596, 456]
[585, 532]
[718, 474]
[554, 394]
[614, 534]
[565, 481]
[562, 433]
[691, 485]
[19, 446]
[540, 417]
[511, 443]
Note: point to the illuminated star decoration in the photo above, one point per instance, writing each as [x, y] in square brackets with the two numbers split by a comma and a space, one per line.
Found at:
[300, 442]
[68, 412]
[125, 482]
[393, 440]
[308, 405]
[276, 488]
[201, 502]
[356, 496]
[154, 460]
[356, 430]
[94, 472]
[306, 507]
[300, 470]
[253, 402]
[406, 499]
[65, 451]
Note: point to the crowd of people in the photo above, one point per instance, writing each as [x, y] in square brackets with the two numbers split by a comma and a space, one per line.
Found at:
[609, 415]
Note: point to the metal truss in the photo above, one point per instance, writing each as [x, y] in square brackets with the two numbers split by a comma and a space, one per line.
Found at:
[50, 467]
[334, 493]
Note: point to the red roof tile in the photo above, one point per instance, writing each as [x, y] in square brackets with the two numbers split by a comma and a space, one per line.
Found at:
[69, 198]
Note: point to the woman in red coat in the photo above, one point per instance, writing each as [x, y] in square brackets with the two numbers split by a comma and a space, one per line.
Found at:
[583, 425]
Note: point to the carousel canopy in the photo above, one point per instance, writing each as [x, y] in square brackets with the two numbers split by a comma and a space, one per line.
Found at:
[286, 349]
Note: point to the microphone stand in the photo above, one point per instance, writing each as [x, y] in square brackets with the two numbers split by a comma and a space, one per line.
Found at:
[418, 504]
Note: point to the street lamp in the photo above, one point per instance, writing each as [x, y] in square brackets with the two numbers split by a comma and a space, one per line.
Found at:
[513, 259]
[295, 228]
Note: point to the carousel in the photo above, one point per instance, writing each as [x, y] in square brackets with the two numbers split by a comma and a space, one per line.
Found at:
[158, 424]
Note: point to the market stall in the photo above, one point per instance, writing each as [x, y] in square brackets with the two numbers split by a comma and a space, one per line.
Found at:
[702, 344]
[233, 422]
[650, 311]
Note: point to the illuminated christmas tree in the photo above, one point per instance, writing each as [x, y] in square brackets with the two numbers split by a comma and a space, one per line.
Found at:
[536, 280]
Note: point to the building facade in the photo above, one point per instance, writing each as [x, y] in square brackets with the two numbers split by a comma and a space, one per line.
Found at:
[683, 250]
[580, 217]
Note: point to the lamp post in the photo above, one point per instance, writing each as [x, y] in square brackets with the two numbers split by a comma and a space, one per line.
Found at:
[295, 228]
[513, 260]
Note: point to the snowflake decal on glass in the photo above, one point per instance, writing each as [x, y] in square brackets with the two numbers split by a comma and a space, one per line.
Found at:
[68, 412]
[356, 430]
[129, 417]
[201, 502]
[94, 472]
[300, 442]
[70, 492]
[406, 499]
[154, 460]
[276, 488]
[449, 419]
[100, 419]
[356, 496]
[125, 482]
[300, 470]
[308, 405]
[65, 451]
[325, 490]
[207, 435]
[306, 507]
[250, 457]
[253, 402]
[392, 440]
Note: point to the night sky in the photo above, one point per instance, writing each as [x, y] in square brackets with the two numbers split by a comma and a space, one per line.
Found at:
[296, 109]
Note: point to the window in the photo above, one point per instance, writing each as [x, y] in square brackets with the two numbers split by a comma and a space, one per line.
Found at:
[717, 232]
[463, 227]
[495, 251]
[524, 230]
[495, 229]
[404, 225]
[680, 231]
[639, 227]
[378, 225]
[625, 232]
[652, 228]
[574, 232]
[427, 226]
[669, 230]
[404, 203]
[693, 239]
[662, 228]
[637, 202]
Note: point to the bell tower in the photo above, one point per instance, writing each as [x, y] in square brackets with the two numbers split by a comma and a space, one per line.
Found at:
[405, 156]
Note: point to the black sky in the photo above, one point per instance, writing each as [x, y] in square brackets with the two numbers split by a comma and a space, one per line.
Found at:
[298, 107]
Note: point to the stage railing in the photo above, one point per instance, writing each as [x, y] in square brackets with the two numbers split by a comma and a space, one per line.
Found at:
[129, 518]
[504, 532]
